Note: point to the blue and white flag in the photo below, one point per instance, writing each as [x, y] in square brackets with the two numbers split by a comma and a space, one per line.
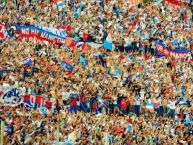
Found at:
[108, 44]
[83, 2]
[60, 5]
[7, 129]
[43, 110]
[10, 97]
[3, 32]
[116, 72]
[54, 35]
[156, 20]
[97, 1]
[27, 62]
[79, 45]
[77, 12]
[68, 65]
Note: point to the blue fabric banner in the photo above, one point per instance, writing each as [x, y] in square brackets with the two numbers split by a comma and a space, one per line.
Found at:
[42, 33]
[178, 53]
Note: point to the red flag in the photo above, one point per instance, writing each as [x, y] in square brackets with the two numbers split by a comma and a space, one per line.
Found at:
[72, 45]
[124, 104]
[67, 28]
[85, 37]
[84, 47]
[2, 28]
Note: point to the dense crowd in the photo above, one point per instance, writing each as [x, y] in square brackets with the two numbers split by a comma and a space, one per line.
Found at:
[106, 100]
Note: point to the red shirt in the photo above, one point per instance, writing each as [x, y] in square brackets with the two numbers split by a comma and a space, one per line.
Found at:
[73, 102]
[129, 142]
[85, 37]
[72, 45]
[120, 58]
[181, 115]
[137, 21]
[67, 28]
[82, 98]
[84, 129]
[119, 129]
[124, 104]
[191, 47]
[95, 105]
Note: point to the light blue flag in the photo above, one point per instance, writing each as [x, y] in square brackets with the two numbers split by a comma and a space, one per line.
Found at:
[77, 12]
[83, 61]
[27, 62]
[43, 110]
[116, 72]
[108, 44]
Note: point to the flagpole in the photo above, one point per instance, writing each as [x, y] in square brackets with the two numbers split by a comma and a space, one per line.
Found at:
[57, 135]
[2, 132]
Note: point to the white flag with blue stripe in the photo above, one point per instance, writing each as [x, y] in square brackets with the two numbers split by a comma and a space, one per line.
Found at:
[60, 5]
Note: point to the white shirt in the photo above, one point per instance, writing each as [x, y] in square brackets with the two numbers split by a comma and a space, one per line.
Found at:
[172, 105]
